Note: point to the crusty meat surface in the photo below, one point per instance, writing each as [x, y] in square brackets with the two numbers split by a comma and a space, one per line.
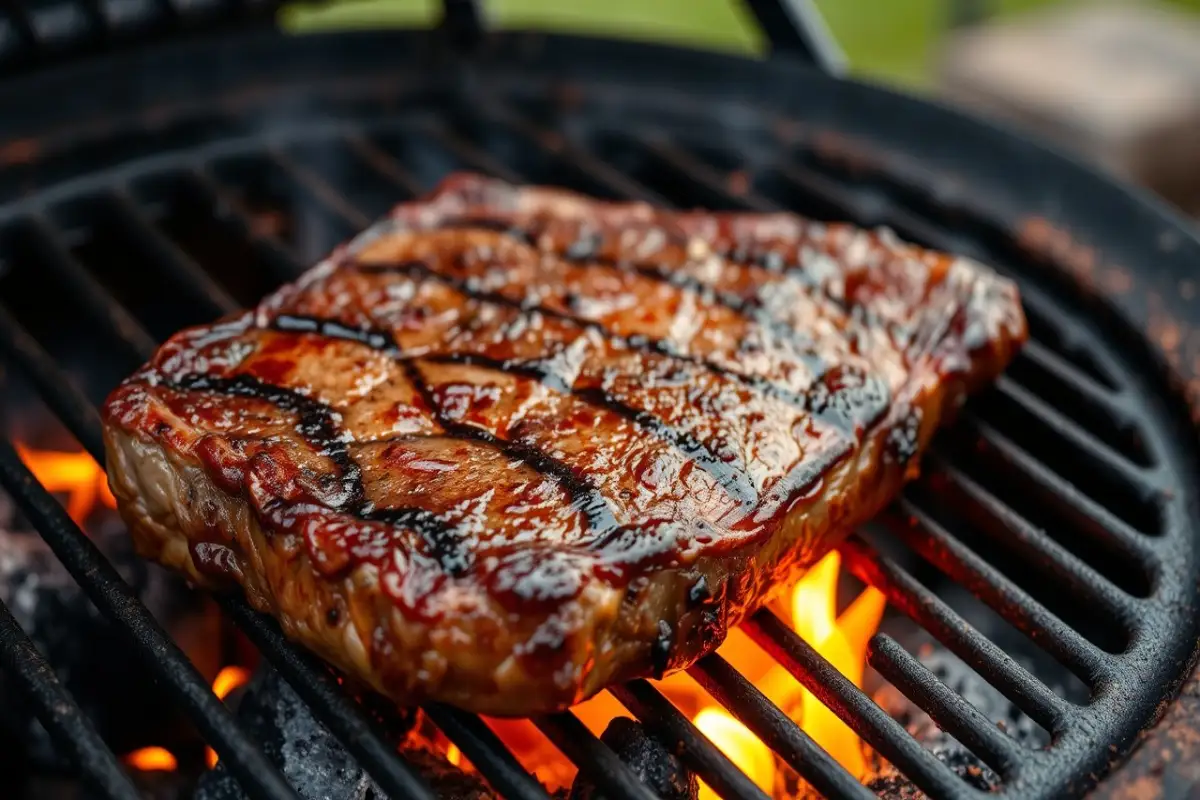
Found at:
[512, 445]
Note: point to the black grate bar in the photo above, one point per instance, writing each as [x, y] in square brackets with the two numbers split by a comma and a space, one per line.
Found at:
[579, 157]
[345, 718]
[62, 718]
[167, 256]
[777, 731]
[1004, 525]
[858, 710]
[1114, 466]
[1103, 526]
[320, 189]
[279, 259]
[951, 712]
[63, 397]
[674, 729]
[322, 192]
[914, 526]
[933, 614]
[708, 181]
[486, 752]
[594, 758]
[47, 242]
[1079, 381]
[384, 164]
[113, 597]
[467, 153]
[868, 211]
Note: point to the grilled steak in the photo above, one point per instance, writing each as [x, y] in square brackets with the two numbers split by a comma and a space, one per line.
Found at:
[511, 444]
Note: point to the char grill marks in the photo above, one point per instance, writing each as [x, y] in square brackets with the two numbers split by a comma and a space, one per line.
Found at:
[652, 368]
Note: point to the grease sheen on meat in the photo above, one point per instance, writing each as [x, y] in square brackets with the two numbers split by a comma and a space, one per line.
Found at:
[512, 445]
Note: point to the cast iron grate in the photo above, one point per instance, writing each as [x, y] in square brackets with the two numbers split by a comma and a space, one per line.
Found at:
[1057, 501]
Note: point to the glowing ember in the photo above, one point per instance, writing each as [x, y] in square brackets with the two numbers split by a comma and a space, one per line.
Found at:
[76, 475]
[228, 679]
[811, 610]
[152, 759]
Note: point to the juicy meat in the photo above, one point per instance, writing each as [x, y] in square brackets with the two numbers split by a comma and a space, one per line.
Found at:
[512, 445]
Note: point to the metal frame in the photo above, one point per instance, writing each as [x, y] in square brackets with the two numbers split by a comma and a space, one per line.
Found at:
[830, 153]
[34, 35]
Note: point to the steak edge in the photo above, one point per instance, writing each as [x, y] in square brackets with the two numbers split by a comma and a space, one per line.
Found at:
[512, 445]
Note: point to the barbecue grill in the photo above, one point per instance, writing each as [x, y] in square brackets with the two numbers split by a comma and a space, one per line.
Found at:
[167, 162]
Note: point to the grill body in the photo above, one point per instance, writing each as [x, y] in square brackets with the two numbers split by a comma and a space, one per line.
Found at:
[167, 186]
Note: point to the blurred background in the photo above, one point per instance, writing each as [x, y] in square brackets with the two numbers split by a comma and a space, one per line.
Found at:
[1117, 83]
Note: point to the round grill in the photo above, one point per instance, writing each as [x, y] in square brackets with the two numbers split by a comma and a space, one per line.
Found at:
[165, 187]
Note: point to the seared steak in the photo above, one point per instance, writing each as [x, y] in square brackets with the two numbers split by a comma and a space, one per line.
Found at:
[511, 444]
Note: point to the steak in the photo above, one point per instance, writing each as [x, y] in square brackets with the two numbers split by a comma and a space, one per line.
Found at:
[511, 444]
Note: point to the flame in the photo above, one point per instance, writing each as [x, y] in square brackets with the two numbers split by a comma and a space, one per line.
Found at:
[75, 474]
[741, 746]
[228, 679]
[152, 759]
[811, 610]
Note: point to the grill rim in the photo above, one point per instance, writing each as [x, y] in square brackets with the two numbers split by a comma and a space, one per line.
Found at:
[518, 41]
[850, 113]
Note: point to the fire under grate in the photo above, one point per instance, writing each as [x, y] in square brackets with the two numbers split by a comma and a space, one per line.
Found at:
[1068, 517]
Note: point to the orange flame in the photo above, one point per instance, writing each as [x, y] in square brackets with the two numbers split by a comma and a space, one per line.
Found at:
[76, 475]
[152, 759]
[811, 610]
[228, 679]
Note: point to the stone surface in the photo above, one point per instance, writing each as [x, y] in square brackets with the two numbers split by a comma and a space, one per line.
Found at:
[1116, 83]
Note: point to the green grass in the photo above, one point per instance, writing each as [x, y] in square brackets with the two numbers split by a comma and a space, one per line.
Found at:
[890, 40]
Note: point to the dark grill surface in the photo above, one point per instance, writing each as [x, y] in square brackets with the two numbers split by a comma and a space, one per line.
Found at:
[194, 180]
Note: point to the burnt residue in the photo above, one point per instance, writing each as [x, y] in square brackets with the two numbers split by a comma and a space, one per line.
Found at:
[730, 476]
[316, 422]
[662, 648]
[699, 594]
[850, 399]
[582, 491]
[450, 546]
[375, 338]
[1165, 762]
[1171, 329]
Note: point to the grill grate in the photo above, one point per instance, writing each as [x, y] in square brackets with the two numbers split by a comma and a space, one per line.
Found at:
[1066, 469]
